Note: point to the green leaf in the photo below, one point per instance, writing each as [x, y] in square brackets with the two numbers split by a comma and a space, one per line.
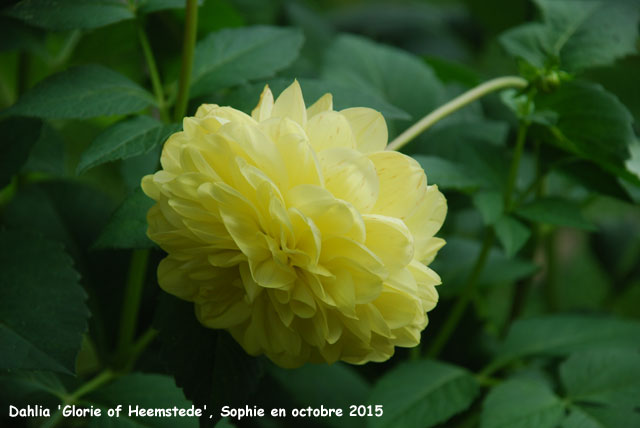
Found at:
[603, 376]
[576, 34]
[148, 391]
[422, 394]
[127, 227]
[564, 334]
[42, 307]
[512, 234]
[210, 367]
[18, 136]
[332, 386]
[601, 417]
[71, 14]
[124, 140]
[82, 92]
[234, 56]
[246, 97]
[446, 174]
[560, 212]
[47, 154]
[149, 6]
[521, 403]
[490, 204]
[393, 75]
[592, 123]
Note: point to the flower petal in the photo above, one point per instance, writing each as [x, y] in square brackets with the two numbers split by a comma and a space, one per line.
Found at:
[290, 104]
[369, 128]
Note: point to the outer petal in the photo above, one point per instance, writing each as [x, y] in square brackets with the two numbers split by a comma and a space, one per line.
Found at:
[369, 128]
[265, 106]
[324, 103]
[290, 104]
[330, 129]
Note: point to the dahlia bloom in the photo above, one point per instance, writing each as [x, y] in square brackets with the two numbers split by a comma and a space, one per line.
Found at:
[295, 231]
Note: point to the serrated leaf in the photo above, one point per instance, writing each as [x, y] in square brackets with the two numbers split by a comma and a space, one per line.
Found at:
[42, 307]
[512, 234]
[422, 394]
[564, 334]
[560, 212]
[71, 14]
[576, 34]
[603, 376]
[330, 386]
[82, 92]
[444, 173]
[521, 403]
[246, 97]
[127, 227]
[124, 140]
[18, 136]
[393, 75]
[234, 56]
[148, 391]
[592, 123]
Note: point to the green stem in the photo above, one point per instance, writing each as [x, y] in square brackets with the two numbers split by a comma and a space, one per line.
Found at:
[188, 48]
[156, 83]
[515, 165]
[454, 105]
[131, 303]
[139, 346]
[459, 308]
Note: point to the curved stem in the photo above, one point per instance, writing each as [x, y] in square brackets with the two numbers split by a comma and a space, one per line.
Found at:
[459, 308]
[156, 83]
[188, 48]
[454, 105]
[131, 303]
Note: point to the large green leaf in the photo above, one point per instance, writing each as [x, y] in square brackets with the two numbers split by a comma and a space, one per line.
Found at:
[71, 14]
[561, 212]
[576, 34]
[147, 391]
[512, 234]
[127, 227]
[124, 140]
[332, 386]
[393, 75]
[42, 307]
[564, 334]
[603, 376]
[422, 394]
[592, 123]
[233, 56]
[521, 403]
[446, 174]
[82, 92]
[601, 417]
[18, 136]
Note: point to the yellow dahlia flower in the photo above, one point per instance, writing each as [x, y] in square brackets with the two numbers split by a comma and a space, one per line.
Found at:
[295, 231]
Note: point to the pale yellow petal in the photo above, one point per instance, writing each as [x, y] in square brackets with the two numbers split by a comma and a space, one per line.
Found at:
[390, 239]
[290, 104]
[369, 128]
[324, 103]
[265, 105]
[330, 129]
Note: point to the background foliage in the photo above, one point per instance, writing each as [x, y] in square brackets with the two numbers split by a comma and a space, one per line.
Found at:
[538, 323]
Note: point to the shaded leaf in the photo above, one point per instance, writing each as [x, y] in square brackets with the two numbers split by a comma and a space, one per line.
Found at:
[422, 394]
[127, 227]
[576, 34]
[18, 136]
[148, 391]
[556, 211]
[234, 56]
[47, 154]
[124, 140]
[71, 14]
[149, 6]
[42, 307]
[601, 417]
[391, 74]
[490, 204]
[82, 92]
[603, 376]
[512, 234]
[564, 334]
[444, 173]
[521, 403]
